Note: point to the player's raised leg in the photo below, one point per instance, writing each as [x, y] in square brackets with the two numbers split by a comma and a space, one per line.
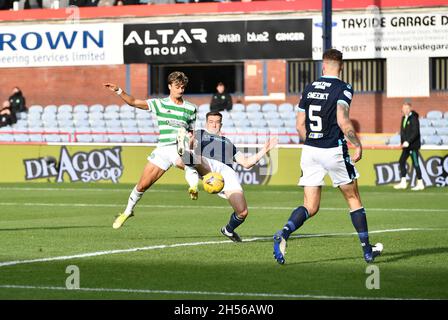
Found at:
[359, 220]
[298, 217]
[151, 173]
[240, 211]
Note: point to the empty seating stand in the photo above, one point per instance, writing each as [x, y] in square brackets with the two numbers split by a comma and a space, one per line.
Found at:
[251, 123]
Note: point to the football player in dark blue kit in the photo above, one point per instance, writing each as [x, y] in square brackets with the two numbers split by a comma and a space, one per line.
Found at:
[323, 123]
[209, 151]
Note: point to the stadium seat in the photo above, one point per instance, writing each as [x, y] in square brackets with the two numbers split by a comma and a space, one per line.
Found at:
[445, 115]
[253, 107]
[225, 115]
[424, 122]
[65, 123]
[52, 138]
[275, 123]
[50, 123]
[427, 131]
[83, 130]
[442, 131]
[444, 140]
[228, 123]
[6, 137]
[291, 122]
[269, 107]
[34, 116]
[111, 115]
[80, 116]
[96, 108]
[249, 139]
[238, 115]
[51, 127]
[84, 138]
[50, 109]
[64, 116]
[258, 123]
[434, 115]
[238, 107]
[99, 138]
[35, 108]
[143, 114]
[243, 123]
[96, 116]
[35, 124]
[271, 115]
[35, 138]
[65, 108]
[440, 123]
[284, 139]
[204, 108]
[8, 128]
[135, 138]
[129, 123]
[115, 138]
[200, 117]
[97, 123]
[131, 130]
[127, 115]
[394, 140]
[46, 116]
[255, 116]
[432, 140]
[80, 108]
[288, 116]
[100, 129]
[127, 108]
[285, 108]
[112, 108]
[21, 138]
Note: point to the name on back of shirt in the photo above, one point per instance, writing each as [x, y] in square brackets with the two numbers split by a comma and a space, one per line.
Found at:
[317, 95]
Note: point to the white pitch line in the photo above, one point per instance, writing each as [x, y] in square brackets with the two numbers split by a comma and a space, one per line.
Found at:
[189, 244]
[204, 293]
[299, 190]
[111, 205]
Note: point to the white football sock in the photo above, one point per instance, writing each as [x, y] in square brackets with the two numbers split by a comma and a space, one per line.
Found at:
[134, 197]
[192, 177]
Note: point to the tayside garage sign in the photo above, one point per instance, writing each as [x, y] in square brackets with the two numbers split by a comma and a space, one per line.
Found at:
[215, 41]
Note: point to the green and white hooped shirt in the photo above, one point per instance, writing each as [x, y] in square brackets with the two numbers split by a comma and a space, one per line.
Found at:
[171, 117]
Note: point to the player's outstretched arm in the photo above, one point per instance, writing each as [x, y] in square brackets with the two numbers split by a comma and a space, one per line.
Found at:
[130, 100]
[249, 161]
[347, 128]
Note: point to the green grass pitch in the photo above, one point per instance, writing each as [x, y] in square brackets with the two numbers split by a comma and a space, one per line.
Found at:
[46, 227]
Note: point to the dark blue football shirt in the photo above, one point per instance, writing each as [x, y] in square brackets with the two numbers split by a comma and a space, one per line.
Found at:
[319, 102]
[214, 147]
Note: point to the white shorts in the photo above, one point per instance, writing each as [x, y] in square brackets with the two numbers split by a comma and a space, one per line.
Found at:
[317, 162]
[164, 156]
[231, 181]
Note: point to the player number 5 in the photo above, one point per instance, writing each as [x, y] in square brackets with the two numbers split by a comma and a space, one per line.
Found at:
[316, 121]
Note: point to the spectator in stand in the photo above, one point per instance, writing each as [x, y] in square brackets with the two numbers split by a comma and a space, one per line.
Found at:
[17, 101]
[7, 117]
[221, 100]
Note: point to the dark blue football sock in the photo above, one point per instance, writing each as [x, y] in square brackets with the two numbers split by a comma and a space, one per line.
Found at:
[296, 220]
[234, 222]
[359, 221]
